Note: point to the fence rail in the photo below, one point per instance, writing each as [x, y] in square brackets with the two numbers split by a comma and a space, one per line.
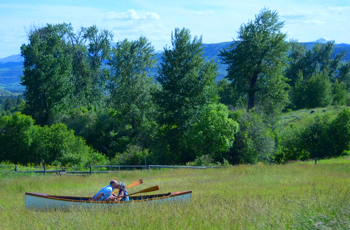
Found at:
[89, 170]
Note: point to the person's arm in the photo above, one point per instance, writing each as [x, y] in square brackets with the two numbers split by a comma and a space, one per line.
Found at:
[120, 197]
[98, 197]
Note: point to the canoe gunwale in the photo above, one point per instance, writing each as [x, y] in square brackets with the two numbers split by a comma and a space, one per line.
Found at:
[161, 196]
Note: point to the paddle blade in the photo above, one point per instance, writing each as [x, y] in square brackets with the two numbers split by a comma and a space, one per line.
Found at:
[151, 189]
[136, 183]
[133, 184]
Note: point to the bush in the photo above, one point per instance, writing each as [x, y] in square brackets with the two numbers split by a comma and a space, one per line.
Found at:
[313, 92]
[134, 155]
[206, 160]
[318, 138]
[339, 93]
[213, 134]
[254, 141]
[24, 143]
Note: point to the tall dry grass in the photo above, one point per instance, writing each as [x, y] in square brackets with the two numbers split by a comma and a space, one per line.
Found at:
[242, 197]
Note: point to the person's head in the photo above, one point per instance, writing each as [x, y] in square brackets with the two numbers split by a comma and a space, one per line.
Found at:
[114, 184]
[122, 186]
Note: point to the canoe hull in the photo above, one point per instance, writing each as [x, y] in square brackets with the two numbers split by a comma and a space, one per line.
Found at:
[38, 201]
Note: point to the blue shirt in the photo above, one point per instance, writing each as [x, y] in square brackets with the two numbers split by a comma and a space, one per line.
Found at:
[107, 191]
[126, 196]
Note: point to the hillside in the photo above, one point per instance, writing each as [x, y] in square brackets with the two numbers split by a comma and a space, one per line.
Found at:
[11, 67]
[299, 117]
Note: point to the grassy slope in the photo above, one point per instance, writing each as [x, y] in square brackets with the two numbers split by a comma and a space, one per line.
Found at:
[243, 197]
[301, 116]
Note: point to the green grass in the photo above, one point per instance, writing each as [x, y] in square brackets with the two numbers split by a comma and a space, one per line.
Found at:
[293, 196]
[304, 115]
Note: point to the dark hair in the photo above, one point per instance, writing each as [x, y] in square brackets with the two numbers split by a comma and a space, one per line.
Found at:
[113, 182]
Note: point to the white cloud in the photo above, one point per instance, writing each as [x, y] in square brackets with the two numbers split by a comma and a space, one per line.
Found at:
[131, 15]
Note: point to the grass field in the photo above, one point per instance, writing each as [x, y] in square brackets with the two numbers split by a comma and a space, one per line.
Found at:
[293, 196]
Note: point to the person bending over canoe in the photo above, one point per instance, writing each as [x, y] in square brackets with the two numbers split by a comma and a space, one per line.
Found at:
[106, 192]
[123, 193]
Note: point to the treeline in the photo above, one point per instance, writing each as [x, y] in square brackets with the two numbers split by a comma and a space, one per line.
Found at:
[10, 105]
[121, 113]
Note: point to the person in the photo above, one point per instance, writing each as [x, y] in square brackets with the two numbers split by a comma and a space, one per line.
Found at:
[123, 193]
[106, 192]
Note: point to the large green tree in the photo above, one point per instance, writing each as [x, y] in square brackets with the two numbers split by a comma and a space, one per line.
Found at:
[89, 47]
[258, 58]
[46, 72]
[188, 84]
[129, 84]
[316, 60]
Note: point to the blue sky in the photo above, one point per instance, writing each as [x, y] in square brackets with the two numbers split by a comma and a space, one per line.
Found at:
[216, 20]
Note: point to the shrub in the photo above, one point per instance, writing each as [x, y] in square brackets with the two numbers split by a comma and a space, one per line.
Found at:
[313, 92]
[24, 143]
[254, 141]
[134, 155]
[320, 137]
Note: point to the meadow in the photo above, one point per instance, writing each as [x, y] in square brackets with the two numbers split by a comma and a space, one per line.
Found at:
[291, 196]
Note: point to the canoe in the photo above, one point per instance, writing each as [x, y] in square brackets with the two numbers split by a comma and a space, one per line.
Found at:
[43, 201]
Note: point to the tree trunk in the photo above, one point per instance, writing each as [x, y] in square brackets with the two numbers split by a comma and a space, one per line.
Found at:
[252, 91]
[251, 99]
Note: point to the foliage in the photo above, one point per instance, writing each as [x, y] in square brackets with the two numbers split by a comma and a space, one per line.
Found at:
[226, 93]
[258, 58]
[255, 140]
[47, 72]
[187, 83]
[339, 93]
[23, 142]
[213, 134]
[133, 155]
[321, 137]
[130, 86]
[89, 48]
[317, 60]
[314, 92]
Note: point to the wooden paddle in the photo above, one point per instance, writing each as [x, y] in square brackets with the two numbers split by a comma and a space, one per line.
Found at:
[133, 184]
[151, 189]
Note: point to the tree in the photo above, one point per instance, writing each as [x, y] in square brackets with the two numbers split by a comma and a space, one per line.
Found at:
[46, 72]
[19, 100]
[129, 84]
[319, 59]
[339, 93]
[89, 48]
[8, 104]
[188, 84]
[16, 137]
[213, 134]
[255, 141]
[258, 57]
[344, 74]
[315, 92]
[226, 93]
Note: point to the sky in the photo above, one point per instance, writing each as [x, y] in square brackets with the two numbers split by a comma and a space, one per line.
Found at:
[215, 20]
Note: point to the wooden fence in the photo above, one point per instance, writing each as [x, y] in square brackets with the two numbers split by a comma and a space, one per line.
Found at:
[92, 169]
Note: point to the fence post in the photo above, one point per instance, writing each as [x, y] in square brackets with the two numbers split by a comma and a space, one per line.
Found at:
[90, 170]
[44, 170]
[15, 168]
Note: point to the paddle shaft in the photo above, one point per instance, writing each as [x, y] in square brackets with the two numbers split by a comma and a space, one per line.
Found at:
[151, 189]
[133, 184]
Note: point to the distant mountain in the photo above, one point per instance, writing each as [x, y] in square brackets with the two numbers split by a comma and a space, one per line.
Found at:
[11, 67]
[12, 58]
[321, 40]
